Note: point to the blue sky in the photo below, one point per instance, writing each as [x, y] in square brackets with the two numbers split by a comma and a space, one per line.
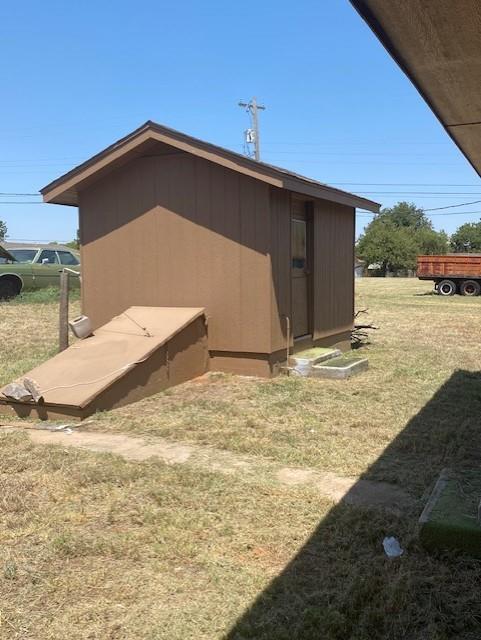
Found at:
[77, 76]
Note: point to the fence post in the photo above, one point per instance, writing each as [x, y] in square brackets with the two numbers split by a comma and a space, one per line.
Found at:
[63, 311]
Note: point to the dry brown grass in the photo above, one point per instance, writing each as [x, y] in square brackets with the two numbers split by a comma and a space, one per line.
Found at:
[29, 331]
[351, 427]
[93, 547]
[343, 426]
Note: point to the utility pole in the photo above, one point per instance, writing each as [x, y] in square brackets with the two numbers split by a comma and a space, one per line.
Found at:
[252, 134]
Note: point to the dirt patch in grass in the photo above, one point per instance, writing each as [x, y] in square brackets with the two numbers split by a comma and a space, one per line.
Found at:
[249, 468]
[96, 547]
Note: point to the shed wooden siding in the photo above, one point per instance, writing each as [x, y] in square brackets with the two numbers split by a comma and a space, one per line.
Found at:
[177, 230]
[280, 266]
[334, 231]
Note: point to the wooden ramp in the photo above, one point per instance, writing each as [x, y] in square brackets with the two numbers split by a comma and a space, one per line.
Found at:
[138, 353]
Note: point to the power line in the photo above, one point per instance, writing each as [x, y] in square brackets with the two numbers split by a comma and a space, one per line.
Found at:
[368, 143]
[401, 184]
[19, 194]
[447, 213]
[454, 213]
[420, 193]
[352, 153]
[8, 239]
[376, 162]
[453, 206]
[36, 160]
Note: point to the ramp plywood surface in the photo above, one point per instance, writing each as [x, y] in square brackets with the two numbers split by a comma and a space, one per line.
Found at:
[77, 375]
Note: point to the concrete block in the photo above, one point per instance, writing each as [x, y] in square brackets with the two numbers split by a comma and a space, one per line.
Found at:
[450, 518]
[303, 361]
[340, 368]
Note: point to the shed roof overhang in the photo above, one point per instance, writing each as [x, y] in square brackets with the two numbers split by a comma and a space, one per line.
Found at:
[152, 138]
[438, 45]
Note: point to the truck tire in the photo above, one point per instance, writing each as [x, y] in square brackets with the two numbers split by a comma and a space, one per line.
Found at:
[469, 288]
[446, 288]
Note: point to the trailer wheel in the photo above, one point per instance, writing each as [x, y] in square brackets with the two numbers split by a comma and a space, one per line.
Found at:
[446, 288]
[469, 288]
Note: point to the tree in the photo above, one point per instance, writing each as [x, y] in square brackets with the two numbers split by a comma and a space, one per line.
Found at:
[75, 244]
[397, 236]
[432, 242]
[3, 230]
[389, 246]
[467, 238]
[405, 214]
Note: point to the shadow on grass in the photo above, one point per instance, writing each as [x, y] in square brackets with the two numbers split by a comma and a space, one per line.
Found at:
[426, 293]
[359, 344]
[341, 586]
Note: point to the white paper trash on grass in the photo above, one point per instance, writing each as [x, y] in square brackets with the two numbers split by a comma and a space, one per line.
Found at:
[392, 548]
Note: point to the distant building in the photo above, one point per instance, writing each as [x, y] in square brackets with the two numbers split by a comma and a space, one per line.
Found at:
[359, 266]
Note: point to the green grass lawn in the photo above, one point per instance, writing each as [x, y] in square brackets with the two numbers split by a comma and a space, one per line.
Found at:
[95, 547]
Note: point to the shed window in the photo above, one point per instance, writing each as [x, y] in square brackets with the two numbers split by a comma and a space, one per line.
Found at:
[299, 244]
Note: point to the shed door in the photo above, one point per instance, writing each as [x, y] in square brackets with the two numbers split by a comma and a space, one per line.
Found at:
[300, 270]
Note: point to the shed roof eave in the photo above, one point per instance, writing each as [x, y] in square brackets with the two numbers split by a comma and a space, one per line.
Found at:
[64, 190]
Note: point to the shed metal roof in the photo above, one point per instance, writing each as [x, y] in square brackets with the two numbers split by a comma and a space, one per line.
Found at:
[437, 43]
[144, 141]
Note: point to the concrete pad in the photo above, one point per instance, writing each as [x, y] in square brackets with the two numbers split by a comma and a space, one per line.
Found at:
[355, 491]
[340, 368]
[303, 361]
[450, 519]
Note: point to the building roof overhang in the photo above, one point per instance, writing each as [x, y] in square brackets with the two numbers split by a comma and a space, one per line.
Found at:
[438, 46]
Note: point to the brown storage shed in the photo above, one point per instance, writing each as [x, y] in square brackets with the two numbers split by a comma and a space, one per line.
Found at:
[167, 220]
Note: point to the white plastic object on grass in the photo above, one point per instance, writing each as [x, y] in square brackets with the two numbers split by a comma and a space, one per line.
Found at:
[392, 548]
[49, 426]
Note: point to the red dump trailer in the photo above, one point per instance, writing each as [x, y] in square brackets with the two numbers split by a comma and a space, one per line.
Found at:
[452, 273]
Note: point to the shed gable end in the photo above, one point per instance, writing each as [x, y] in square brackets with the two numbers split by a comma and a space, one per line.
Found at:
[190, 230]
